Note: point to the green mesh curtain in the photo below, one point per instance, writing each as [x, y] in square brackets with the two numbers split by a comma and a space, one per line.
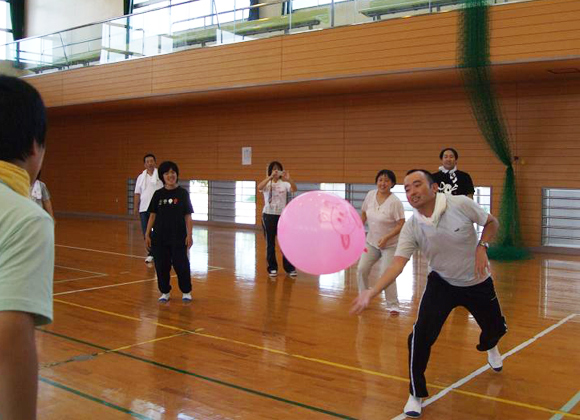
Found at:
[474, 61]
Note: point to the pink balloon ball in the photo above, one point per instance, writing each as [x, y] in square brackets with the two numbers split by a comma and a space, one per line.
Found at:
[321, 233]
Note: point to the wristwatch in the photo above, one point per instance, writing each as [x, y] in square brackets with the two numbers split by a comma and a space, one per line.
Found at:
[483, 244]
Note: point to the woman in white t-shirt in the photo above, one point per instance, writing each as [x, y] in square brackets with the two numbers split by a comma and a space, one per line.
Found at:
[275, 187]
[385, 216]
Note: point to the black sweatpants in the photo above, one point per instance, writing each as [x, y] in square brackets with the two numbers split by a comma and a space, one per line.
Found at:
[437, 302]
[270, 225]
[167, 255]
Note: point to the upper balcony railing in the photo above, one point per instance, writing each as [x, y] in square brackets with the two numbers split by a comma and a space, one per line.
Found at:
[200, 23]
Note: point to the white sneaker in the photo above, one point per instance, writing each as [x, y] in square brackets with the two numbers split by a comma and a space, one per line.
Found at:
[164, 297]
[494, 359]
[186, 297]
[293, 273]
[273, 273]
[149, 259]
[393, 308]
[413, 407]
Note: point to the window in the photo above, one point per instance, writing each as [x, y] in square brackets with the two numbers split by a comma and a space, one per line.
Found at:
[246, 202]
[146, 5]
[5, 27]
[399, 191]
[335, 188]
[199, 195]
[561, 217]
[302, 4]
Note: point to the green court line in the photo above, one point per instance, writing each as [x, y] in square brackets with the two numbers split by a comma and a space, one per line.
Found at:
[94, 399]
[205, 378]
[567, 407]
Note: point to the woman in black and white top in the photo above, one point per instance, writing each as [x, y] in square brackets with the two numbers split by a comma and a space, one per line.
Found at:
[451, 180]
[275, 187]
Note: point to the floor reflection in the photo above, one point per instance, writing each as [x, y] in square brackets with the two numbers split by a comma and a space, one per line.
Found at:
[245, 255]
[560, 291]
[198, 254]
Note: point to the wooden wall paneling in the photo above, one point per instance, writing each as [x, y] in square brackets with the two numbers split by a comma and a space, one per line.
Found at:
[382, 46]
[255, 62]
[129, 79]
[50, 88]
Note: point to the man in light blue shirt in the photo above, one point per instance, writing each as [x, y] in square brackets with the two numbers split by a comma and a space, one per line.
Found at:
[26, 248]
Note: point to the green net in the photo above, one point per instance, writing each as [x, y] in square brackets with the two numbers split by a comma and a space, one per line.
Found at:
[474, 62]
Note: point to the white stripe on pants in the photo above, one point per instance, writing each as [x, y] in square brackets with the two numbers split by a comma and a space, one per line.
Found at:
[365, 265]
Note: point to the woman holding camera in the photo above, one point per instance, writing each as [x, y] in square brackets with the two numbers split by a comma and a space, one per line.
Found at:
[275, 187]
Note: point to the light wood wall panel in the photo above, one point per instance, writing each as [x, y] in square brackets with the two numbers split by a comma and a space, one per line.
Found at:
[130, 79]
[419, 42]
[249, 63]
[526, 31]
[50, 87]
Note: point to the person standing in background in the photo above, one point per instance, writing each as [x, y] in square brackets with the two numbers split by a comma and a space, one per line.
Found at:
[449, 179]
[385, 215]
[40, 195]
[147, 183]
[275, 187]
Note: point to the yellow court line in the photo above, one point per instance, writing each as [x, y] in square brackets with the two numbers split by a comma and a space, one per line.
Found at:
[321, 361]
[98, 310]
[517, 403]
[154, 340]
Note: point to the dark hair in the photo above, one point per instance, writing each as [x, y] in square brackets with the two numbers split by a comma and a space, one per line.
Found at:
[149, 155]
[22, 119]
[446, 149]
[165, 167]
[425, 172]
[390, 174]
[271, 166]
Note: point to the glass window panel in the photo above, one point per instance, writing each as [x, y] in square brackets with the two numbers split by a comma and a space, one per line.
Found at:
[245, 202]
[561, 217]
[301, 4]
[199, 195]
[335, 188]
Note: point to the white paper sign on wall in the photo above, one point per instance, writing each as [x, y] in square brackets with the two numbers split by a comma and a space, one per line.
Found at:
[246, 155]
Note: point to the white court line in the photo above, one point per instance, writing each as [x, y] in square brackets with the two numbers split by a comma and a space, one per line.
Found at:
[80, 278]
[78, 269]
[104, 287]
[210, 268]
[103, 252]
[96, 275]
[567, 407]
[482, 369]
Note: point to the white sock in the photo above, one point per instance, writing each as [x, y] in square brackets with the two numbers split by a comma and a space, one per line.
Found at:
[413, 407]
[494, 359]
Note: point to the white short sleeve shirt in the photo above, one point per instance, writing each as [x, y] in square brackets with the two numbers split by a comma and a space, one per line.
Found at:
[276, 196]
[450, 246]
[382, 218]
[146, 185]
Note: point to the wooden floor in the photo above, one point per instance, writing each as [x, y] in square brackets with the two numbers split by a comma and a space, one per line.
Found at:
[249, 347]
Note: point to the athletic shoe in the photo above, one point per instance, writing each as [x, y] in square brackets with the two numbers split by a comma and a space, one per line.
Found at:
[494, 359]
[164, 297]
[293, 273]
[393, 309]
[149, 259]
[186, 297]
[413, 407]
[273, 273]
